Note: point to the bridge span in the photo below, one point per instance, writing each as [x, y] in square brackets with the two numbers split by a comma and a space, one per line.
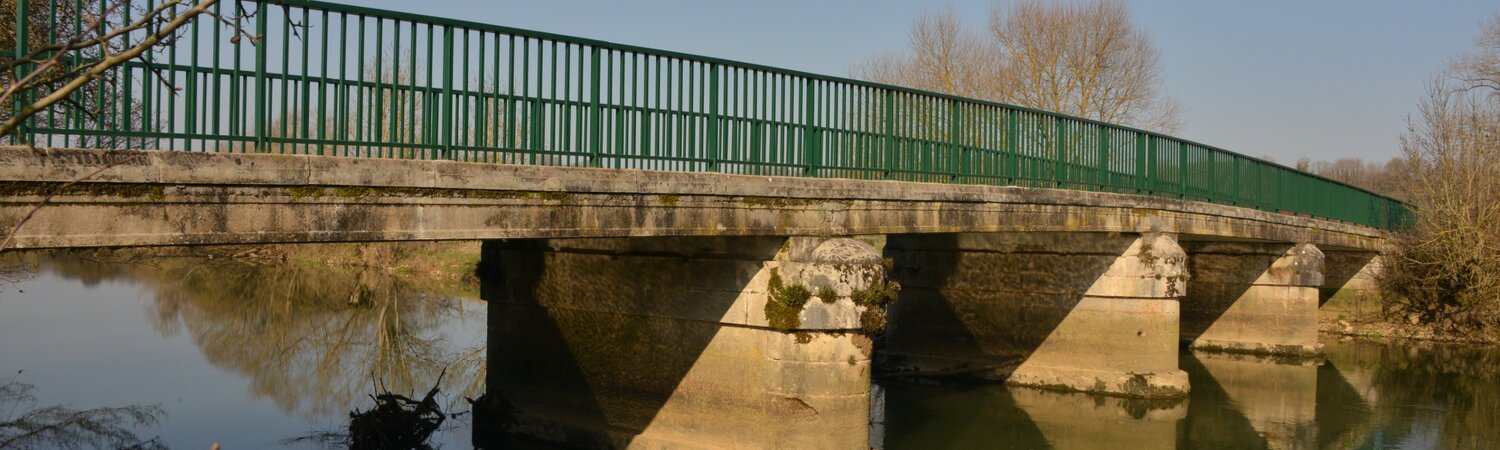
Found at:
[783, 293]
[763, 238]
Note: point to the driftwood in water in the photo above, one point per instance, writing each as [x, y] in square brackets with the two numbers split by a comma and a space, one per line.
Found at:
[396, 422]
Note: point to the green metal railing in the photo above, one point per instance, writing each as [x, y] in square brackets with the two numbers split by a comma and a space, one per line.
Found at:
[330, 79]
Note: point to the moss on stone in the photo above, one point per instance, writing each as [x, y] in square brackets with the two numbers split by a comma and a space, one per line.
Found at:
[562, 198]
[879, 293]
[352, 192]
[668, 200]
[785, 302]
[779, 202]
[827, 294]
[1147, 258]
[300, 192]
[155, 192]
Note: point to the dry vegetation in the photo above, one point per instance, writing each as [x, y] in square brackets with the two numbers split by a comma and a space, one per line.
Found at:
[1445, 272]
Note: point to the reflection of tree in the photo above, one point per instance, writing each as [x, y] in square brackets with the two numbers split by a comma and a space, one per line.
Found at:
[316, 340]
[24, 425]
[1460, 383]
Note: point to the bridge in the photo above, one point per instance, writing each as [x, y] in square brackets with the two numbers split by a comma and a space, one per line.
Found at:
[767, 238]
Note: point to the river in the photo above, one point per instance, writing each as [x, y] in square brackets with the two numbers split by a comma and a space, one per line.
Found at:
[278, 355]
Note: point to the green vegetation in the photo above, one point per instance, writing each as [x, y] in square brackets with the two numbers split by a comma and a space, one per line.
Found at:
[827, 295]
[785, 302]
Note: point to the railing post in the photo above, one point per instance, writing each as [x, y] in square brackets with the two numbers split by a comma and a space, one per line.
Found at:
[713, 117]
[1182, 171]
[1012, 147]
[1141, 171]
[890, 134]
[261, 96]
[1103, 157]
[447, 103]
[1235, 166]
[1213, 176]
[810, 153]
[23, 45]
[955, 148]
[596, 149]
[1059, 152]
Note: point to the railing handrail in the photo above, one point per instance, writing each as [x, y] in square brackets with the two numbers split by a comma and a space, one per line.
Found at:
[508, 30]
[938, 135]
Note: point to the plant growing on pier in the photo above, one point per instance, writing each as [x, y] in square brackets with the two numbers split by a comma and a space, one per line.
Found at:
[784, 302]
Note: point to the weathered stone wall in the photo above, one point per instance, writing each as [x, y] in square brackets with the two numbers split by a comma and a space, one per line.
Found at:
[1093, 312]
[1255, 298]
[673, 342]
[1349, 291]
[180, 198]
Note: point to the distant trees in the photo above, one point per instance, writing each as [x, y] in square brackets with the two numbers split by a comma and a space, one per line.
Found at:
[1446, 270]
[1083, 59]
[1381, 178]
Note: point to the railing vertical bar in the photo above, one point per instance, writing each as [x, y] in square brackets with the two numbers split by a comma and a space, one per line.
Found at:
[448, 128]
[260, 79]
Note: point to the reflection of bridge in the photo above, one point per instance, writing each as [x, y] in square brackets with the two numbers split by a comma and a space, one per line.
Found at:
[710, 204]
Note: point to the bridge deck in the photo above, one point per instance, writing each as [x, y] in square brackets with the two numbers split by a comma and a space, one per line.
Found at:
[177, 198]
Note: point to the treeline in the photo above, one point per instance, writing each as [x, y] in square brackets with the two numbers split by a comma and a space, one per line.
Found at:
[1383, 178]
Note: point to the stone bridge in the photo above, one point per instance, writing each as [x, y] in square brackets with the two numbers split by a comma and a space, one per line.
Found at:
[762, 304]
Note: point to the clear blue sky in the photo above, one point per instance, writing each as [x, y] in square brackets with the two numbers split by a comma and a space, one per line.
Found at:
[1323, 79]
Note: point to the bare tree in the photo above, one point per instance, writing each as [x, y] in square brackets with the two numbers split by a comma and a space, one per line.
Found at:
[1381, 178]
[944, 57]
[74, 48]
[1083, 59]
[1446, 270]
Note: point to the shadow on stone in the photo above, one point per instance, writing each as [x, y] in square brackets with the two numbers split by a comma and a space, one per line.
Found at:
[614, 343]
[1070, 311]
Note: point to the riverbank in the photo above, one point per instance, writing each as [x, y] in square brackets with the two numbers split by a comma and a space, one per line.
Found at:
[1388, 330]
[450, 260]
[440, 267]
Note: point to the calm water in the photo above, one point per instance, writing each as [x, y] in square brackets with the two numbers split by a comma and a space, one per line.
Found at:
[258, 356]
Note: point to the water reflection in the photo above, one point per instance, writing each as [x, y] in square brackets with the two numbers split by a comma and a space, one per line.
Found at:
[1427, 395]
[1364, 396]
[316, 341]
[27, 424]
[312, 339]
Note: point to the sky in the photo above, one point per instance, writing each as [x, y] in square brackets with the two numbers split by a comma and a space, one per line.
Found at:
[1322, 79]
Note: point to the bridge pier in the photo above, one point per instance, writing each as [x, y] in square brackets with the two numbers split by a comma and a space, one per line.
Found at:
[1092, 312]
[1253, 298]
[1349, 290]
[680, 342]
